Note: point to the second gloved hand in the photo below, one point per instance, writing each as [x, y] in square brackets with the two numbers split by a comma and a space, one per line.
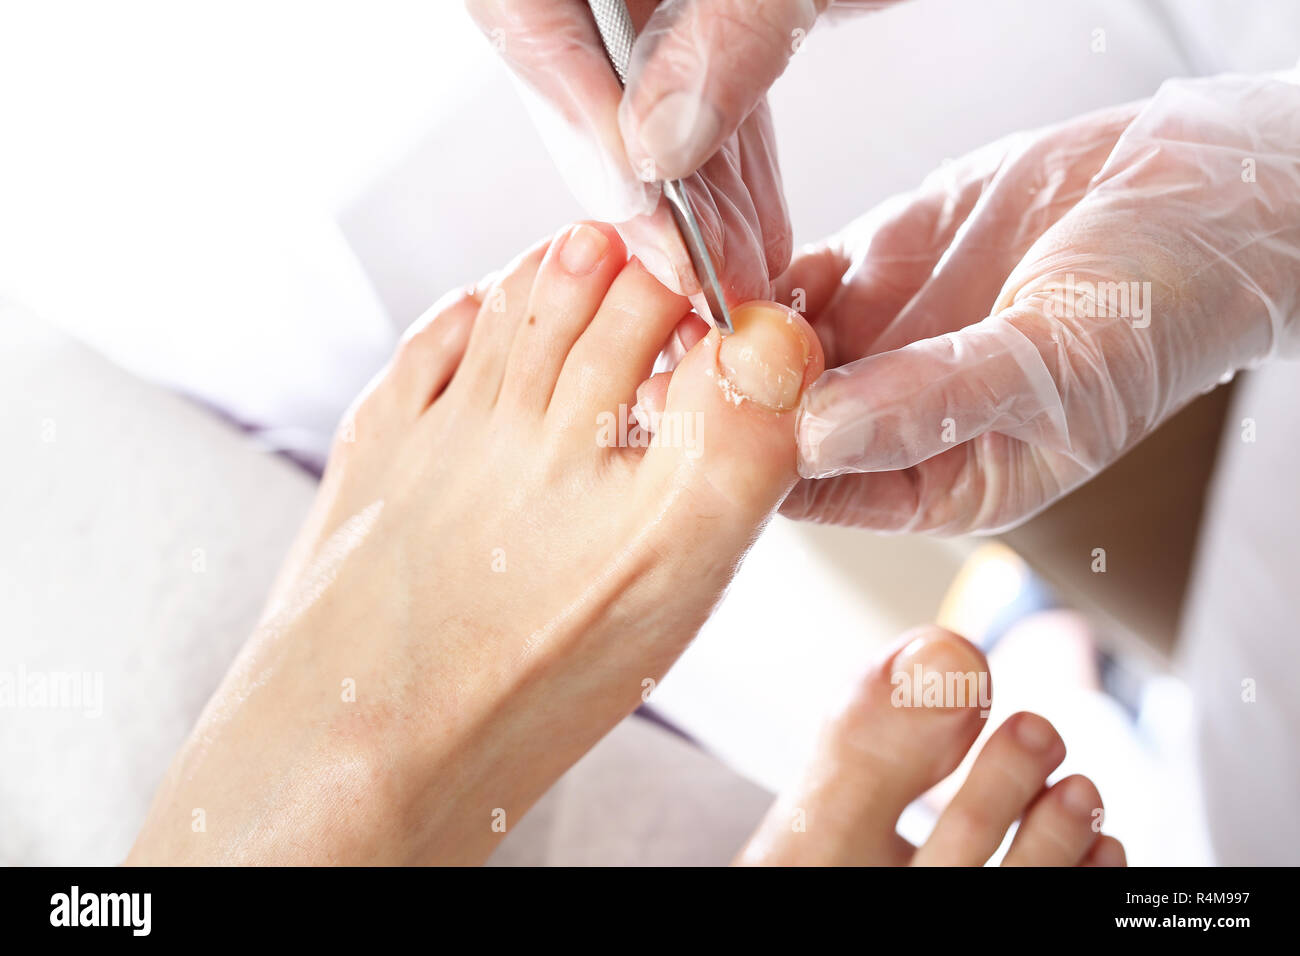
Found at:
[1037, 308]
[695, 109]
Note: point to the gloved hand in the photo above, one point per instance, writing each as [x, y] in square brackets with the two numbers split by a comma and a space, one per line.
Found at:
[1036, 308]
[695, 108]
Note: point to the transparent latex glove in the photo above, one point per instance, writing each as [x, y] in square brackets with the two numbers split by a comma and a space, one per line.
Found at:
[1039, 306]
[695, 109]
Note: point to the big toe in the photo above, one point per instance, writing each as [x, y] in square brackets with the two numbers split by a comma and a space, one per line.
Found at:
[726, 433]
[906, 725]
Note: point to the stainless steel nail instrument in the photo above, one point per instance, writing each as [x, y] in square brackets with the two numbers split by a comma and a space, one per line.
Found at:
[617, 33]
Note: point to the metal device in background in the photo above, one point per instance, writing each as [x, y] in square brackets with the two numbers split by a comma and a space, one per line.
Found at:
[617, 33]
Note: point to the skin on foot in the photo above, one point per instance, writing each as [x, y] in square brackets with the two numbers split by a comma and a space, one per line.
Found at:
[493, 567]
[906, 725]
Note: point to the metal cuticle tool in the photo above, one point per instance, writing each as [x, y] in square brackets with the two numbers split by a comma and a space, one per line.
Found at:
[617, 33]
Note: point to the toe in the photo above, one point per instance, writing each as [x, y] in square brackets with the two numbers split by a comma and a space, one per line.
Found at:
[726, 435]
[425, 361]
[689, 331]
[618, 349]
[504, 304]
[432, 349]
[652, 394]
[651, 397]
[906, 725]
[1009, 772]
[1061, 827]
[571, 282]
[1107, 851]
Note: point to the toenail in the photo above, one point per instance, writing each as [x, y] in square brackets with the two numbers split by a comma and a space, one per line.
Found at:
[582, 249]
[1079, 797]
[764, 361]
[1034, 732]
[939, 670]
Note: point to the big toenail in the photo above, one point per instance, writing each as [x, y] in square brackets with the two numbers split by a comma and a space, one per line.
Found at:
[1034, 732]
[582, 249]
[939, 670]
[765, 360]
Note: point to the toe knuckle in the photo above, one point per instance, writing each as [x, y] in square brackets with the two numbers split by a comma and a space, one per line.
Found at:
[968, 822]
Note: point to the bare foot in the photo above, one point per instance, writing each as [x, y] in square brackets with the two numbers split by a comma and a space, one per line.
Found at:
[492, 571]
[893, 740]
